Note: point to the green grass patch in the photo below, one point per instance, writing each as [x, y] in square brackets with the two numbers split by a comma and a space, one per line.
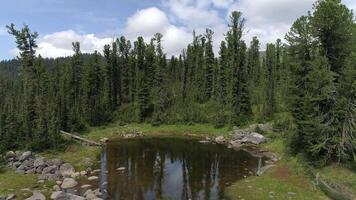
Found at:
[80, 156]
[11, 182]
[115, 129]
[281, 182]
[341, 178]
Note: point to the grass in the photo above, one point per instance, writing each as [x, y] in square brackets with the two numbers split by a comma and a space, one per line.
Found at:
[287, 180]
[115, 129]
[340, 177]
[11, 182]
[279, 183]
[81, 157]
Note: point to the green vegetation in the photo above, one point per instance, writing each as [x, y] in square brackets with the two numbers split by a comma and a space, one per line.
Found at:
[281, 182]
[11, 182]
[312, 77]
[116, 129]
[307, 86]
[81, 157]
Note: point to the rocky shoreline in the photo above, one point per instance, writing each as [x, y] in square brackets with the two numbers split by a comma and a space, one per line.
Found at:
[64, 174]
[247, 139]
[68, 185]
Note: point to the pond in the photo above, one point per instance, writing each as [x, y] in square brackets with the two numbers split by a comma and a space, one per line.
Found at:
[171, 168]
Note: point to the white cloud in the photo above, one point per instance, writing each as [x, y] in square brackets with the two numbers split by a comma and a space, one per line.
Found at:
[152, 20]
[194, 14]
[176, 20]
[147, 22]
[59, 44]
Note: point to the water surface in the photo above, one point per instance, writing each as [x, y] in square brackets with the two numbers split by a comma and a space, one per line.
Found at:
[172, 168]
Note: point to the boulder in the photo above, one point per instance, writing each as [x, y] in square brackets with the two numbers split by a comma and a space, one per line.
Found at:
[56, 188]
[66, 170]
[104, 140]
[50, 169]
[90, 195]
[57, 162]
[39, 162]
[53, 177]
[31, 171]
[11, 197]
[235, 144]
[83, 173]
[16, 164]
[37, 196]
[69, 183]
[121, 169]
[2, 198]
[220, 139]
[10, 154]
[25, 155]
[74, 197]
[254, 138]
[59, 195]
[93, 178]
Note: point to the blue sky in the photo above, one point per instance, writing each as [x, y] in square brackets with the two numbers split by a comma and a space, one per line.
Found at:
[95, 23]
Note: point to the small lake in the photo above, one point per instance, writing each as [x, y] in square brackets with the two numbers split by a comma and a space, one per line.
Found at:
[172, 168]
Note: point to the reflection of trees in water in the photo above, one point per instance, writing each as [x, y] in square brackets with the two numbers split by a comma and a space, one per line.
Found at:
[204, 169]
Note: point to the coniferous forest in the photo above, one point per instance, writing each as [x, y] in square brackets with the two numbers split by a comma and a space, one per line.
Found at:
[305, 83]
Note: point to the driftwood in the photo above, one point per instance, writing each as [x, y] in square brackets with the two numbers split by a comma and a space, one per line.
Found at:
[80, 139]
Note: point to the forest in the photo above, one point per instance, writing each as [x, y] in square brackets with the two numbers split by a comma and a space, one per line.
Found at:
[305, 84]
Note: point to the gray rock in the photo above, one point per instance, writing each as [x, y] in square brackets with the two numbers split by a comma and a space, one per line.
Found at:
[11, 197]
[37, 196]
[39, 162]
[59, 195]
[238, 136]
[291, 193]
[2, 198]
[121, 169]
[93, 178]
[236, 144]
[50, 169]
[254, 138]
[69, 183]
[25, 155]
[74, 197]
[24, 165]
[10, 154]
[66, 170]
[263, 169]
[53, 177]
[56, 188]
[220, 139]
[39, 170]
[31, 171]
[57, 162]
[104, 140]
[16, 164]
[20, 171]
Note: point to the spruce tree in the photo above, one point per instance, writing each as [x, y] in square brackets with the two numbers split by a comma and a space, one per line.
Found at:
[209, 65]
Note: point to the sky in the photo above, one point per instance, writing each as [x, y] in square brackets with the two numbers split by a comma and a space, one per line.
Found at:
[95, 23]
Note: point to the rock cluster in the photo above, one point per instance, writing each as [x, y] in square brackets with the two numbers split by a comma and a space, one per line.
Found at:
[242, 136]
[29, 163]
[66, 188]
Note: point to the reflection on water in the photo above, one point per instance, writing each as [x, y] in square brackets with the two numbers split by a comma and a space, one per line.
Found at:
[171, 168]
